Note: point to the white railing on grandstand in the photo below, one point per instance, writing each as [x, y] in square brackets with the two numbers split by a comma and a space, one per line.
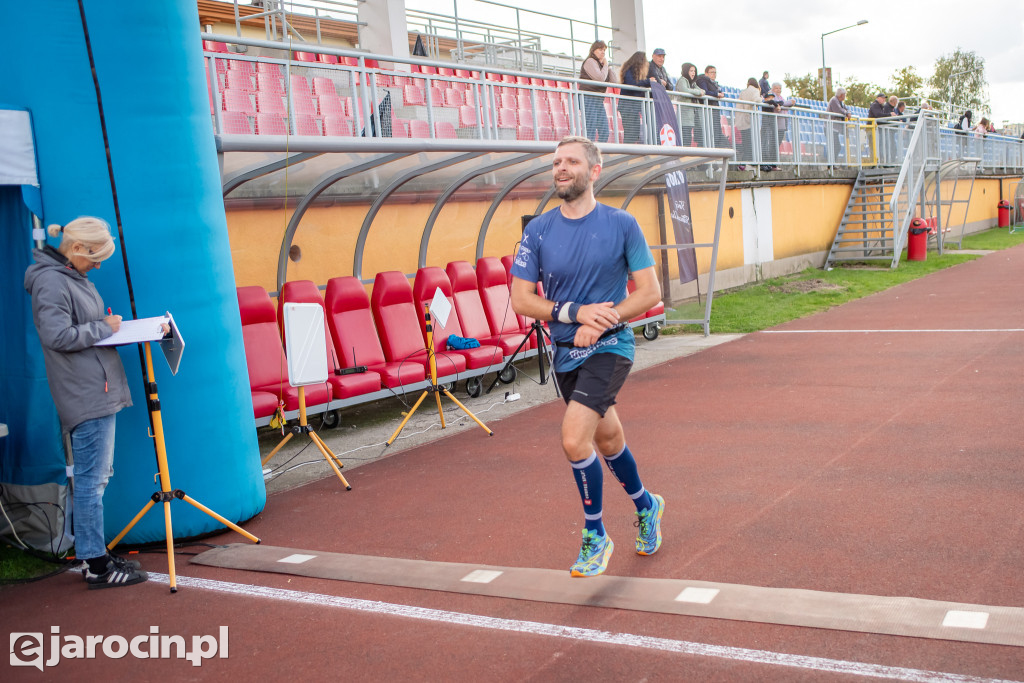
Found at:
[434, 99]
[276, 12]
[906, 194]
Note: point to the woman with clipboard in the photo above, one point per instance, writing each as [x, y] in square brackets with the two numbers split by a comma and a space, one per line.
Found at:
[87, 382]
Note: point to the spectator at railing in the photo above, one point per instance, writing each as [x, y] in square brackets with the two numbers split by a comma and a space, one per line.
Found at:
[596, 68]
[981, 130]
[840, 114]
[877, 109]
[712, 91]
[656, 69]
[763, 85]
[743, 122]
[635, 84]
[782, 120]
[690, 124]
[901, 109]
[964, 124]
[889, 108]
[769, 133]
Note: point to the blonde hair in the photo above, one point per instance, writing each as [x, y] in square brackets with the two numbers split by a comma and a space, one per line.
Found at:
[91, 232]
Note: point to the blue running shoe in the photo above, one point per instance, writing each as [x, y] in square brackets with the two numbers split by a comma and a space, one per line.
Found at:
[648, 522]
[594, 554]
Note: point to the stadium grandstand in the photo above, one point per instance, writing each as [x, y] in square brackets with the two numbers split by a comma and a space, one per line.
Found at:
[361, 156]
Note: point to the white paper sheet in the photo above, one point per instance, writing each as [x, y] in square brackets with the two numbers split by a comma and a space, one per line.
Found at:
[440, 308]
[136, 331]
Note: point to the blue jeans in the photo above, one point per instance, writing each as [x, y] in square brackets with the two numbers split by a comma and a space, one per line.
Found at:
[92, 447]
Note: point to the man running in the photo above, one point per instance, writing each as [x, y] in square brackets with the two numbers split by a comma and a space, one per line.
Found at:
[582, 252]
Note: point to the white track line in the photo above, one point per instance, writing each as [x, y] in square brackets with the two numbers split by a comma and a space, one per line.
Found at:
[579, 634]
[1009, 329]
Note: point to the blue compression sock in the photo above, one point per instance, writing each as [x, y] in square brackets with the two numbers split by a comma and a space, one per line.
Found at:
[590, 481]
[623, 467]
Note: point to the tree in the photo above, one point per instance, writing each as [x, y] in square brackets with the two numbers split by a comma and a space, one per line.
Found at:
[807, 86]
[965, 72]
[859, 93]
[906, 83]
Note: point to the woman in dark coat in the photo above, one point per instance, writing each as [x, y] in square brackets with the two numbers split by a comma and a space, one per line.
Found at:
[635, 85]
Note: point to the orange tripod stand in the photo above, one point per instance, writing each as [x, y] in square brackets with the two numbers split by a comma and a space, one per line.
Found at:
[166, 494]
[303, 427]
[434, 388]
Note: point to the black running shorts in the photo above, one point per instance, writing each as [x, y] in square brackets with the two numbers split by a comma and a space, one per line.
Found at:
[596, 382]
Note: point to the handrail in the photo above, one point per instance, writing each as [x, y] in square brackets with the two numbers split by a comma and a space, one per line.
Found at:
[911, 173]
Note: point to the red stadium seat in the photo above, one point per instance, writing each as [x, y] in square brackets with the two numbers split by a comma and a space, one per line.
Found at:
[214, 46]
[271, 124]
[270, 83]
[264, 356]
[304, 56]
[235, 123]
[332, 105]
[326, 59]
[413, 95]
[419, 129]
[355, 335]
[238, 80]
[337, 126]
[269, 68]
[323, 86]
[270, 103]
[492, 283]
[398, 325]
[444, 130]
[399, 127]
[471, 309]
[304, 104]
[453, 98]
[428, 281]
[307, 124]
[524, 133]
[342, 386]
[507, 118]
[238, 100]
[468, 117]
[300, 86]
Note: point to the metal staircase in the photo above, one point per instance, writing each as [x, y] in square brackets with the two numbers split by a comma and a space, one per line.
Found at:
[865, 232]
[885, 200]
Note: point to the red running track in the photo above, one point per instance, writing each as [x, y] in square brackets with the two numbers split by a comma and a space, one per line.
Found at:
[831, 454]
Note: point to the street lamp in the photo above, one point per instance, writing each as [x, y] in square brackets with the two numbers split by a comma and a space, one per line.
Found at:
[824, 93]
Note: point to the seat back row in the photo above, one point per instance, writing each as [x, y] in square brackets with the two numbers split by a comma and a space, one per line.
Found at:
[385, 332]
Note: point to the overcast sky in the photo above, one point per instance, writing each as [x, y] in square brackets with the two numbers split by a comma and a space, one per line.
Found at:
[745, 37]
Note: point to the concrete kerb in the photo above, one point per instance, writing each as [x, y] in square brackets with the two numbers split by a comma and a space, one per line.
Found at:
[364, 429]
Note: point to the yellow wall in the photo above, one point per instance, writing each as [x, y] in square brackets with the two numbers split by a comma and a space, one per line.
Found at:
[804, 221]
[805, 217]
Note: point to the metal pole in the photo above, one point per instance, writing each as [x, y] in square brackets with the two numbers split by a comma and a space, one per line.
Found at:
[824, 93]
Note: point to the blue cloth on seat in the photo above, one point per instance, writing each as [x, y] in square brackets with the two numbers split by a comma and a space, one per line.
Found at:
[458, 343]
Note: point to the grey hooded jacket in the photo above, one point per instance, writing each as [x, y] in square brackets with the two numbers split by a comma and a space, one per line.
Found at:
[86, 381]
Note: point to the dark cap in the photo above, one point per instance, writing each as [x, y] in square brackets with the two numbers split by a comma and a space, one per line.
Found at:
[881, 94]
[658, 51]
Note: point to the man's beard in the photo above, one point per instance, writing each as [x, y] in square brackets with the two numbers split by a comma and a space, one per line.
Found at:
[573, 191]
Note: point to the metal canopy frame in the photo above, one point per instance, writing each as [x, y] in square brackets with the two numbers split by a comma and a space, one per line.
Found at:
[380, 154]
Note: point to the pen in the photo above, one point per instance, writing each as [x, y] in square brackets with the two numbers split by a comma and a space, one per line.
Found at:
[109, 312]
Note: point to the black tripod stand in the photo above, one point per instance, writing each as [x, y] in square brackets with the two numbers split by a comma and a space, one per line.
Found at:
[543, 343]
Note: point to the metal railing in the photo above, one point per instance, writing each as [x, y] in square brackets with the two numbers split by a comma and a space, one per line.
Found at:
[920, 152]
[403, 97]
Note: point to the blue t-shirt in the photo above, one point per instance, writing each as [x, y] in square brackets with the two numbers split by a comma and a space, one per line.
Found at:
[586, 260]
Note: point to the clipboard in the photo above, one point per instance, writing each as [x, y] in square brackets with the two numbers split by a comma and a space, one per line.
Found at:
[148, 330]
